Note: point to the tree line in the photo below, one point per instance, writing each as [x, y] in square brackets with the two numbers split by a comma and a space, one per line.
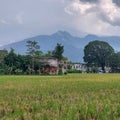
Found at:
[96, 54]
[29, 63]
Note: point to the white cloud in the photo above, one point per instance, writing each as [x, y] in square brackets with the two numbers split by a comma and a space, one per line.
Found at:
[95, 17]
[77, 7]
[110, 12]
[105, 10]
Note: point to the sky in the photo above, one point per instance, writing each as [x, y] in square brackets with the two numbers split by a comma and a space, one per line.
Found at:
[20, 19]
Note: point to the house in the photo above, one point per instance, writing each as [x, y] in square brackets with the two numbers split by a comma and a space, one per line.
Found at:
[3, 51]
[51, 65]
[107, 69]
[63, 65]
[83, 67]
[79, 66]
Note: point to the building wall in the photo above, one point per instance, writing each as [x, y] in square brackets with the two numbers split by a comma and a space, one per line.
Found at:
[52, 65]
[79, 66]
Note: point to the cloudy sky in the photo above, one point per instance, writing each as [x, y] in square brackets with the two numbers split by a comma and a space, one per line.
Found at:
[21, 19]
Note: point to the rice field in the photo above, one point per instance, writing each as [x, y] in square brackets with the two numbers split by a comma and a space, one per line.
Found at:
[69, 97]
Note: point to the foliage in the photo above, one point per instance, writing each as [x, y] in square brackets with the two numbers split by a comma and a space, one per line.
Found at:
[48, 54]
[32, 48]
[114, 62]
[13, 63]
[60, 71]
[94, 69]
[71, 97]
[58, 51]
[97, 53]
[69, 66]
[74, 71]
[33, 52]
[2, 55]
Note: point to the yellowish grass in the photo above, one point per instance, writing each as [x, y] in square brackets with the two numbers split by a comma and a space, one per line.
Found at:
[70, 97]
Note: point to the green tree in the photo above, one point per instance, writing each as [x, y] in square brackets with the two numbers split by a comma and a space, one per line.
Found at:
[97, 53]
[114, 62]
[22, 63]
[3, 54]
[33, 51]
[58, 51]
[48, 54]
[11, 61]
[32, 47]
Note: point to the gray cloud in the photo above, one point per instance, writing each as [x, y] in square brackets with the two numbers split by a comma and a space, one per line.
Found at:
[117, 2]
[90, 1]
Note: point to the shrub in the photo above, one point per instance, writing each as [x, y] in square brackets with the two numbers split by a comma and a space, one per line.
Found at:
[74, 71]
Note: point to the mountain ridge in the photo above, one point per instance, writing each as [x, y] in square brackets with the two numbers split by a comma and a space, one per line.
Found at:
[73, 46]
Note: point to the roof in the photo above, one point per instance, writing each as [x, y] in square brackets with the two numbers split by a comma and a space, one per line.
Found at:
[52, 61]
[48, 58]
[4, 51]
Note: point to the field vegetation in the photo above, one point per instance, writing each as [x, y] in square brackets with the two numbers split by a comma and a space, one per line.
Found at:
[70, 97]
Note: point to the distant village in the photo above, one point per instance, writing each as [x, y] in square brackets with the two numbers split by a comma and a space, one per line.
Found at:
[50, 65]
[98, 58]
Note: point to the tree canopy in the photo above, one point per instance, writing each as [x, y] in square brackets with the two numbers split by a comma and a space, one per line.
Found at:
[114, 62]
[58, 51]
[97, 53]
[32, 48]
[33, 52]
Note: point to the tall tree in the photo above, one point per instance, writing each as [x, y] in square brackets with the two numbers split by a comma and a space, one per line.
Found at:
[32, 47]
[11, 61]
[33, 51]
[97, 53]
[58, 51]
[114, 62]
[48, 54]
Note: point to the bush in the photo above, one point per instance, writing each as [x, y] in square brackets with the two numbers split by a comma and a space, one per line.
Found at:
[18, 72]
[74, 71]
[60, 71]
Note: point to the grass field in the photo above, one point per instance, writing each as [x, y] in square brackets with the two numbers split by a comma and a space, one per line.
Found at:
[70, 97]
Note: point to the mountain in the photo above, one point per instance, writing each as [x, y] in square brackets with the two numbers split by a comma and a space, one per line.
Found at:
[73, 46]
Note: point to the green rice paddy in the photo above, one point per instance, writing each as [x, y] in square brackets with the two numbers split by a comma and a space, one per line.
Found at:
[69, 97]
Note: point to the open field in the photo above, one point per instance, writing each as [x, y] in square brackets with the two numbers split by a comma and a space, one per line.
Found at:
[70, 97]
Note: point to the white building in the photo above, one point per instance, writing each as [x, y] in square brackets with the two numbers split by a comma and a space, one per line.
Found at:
[79, 66]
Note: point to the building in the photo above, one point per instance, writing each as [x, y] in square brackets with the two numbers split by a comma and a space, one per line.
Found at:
[51, 65]
[3, 52]
[79, 66]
